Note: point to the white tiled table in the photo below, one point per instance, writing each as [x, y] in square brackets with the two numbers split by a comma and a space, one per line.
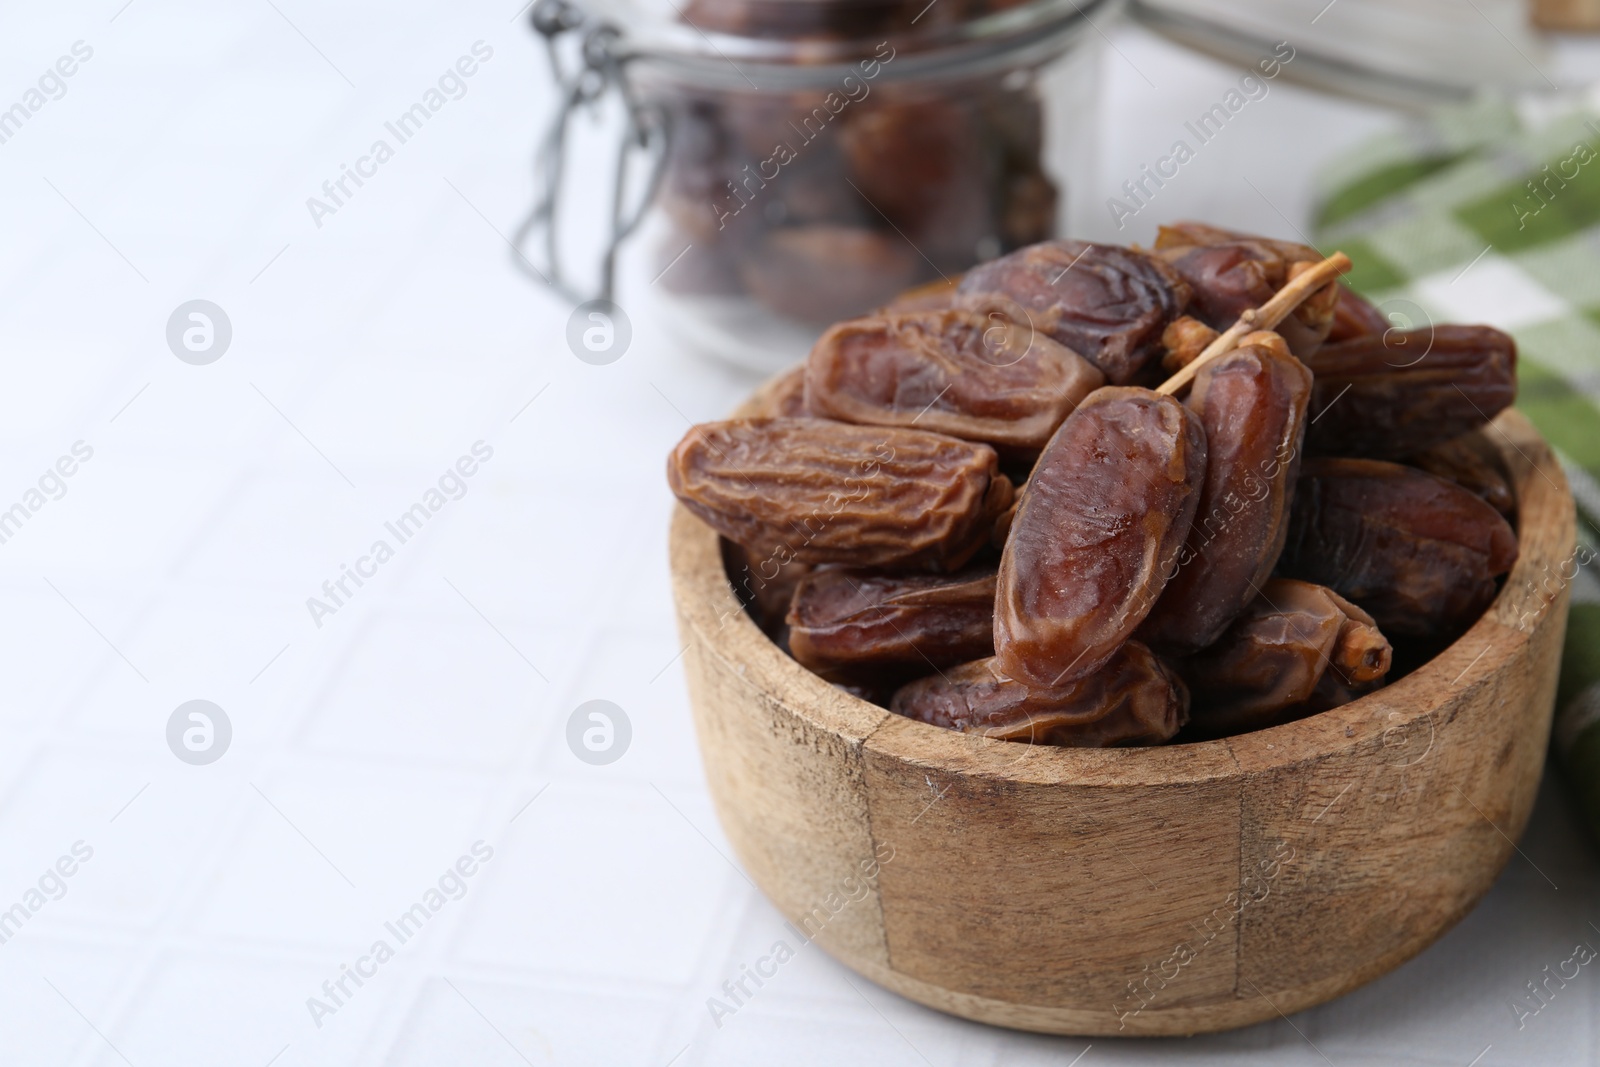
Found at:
[371, 752]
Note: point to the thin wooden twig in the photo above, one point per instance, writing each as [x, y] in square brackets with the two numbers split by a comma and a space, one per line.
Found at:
[1265, 317]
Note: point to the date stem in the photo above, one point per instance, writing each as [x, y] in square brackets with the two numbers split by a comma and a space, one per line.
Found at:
[1265, 317]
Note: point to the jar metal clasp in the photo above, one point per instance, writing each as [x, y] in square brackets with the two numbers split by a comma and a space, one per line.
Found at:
[600, 69]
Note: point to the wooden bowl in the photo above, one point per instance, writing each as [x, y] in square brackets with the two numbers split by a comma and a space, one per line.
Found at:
[1171, 890]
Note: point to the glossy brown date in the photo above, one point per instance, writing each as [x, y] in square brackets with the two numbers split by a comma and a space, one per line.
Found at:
[1231, 272]
[1473, 463]
[1096, 535]
[1298, 647]
[1107, 303]
[1252, 403]
[1390, 395]
[1419, 553]
[1134, 699]
[847, 624]
[958, 372]
[826, 492]
[1355, 316]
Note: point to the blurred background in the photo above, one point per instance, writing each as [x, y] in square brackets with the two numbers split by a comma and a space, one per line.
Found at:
[323, 521]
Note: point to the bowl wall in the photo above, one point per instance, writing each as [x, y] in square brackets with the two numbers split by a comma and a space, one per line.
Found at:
[1168, 890]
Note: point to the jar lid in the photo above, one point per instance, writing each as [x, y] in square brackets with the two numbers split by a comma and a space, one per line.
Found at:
[789, 42]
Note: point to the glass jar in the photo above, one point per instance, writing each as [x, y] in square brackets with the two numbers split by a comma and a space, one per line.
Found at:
[823, 156]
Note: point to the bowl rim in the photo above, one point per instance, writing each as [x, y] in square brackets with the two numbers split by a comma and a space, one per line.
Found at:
[1547, 533]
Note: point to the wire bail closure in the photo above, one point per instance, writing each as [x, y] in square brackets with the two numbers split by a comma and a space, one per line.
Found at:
[601, 70]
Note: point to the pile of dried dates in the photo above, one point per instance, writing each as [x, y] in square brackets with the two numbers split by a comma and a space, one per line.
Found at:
[973, 507]
[819, 202]
[811, 226]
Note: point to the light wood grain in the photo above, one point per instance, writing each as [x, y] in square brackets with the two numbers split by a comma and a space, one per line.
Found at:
[1032, 887]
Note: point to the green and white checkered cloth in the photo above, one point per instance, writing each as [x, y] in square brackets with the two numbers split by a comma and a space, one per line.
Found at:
[1490, 213]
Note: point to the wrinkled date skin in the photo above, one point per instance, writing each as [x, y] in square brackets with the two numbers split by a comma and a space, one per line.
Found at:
[1296, 642]
[1387, 396]
[963, 373]
[784, 397]
[1252, 403]
[1097, 534]
[1472, 462]
[1109, 304]
[1184, 339]
[1419, 553]
[1354, 316]
[1230, 273]
[848, 624]
[825, 492]
[1133, 700]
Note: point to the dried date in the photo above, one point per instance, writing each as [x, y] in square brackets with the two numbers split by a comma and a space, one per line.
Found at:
[1096, 535]
[1354, 316]
[1473, 463]
[1109, 304]
[764, 586]
[1417, 552]
[923, 162]
[1391, 395]
[930, 296]
[1231, 272]
[1252, 402]
[827, 492]
[1184, 339]
[849, 624]
[1028, 208]
[825, 272]
[784, 397]
[974, 376]
[1134, 699]
[1003, 521]
[1298, 647]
